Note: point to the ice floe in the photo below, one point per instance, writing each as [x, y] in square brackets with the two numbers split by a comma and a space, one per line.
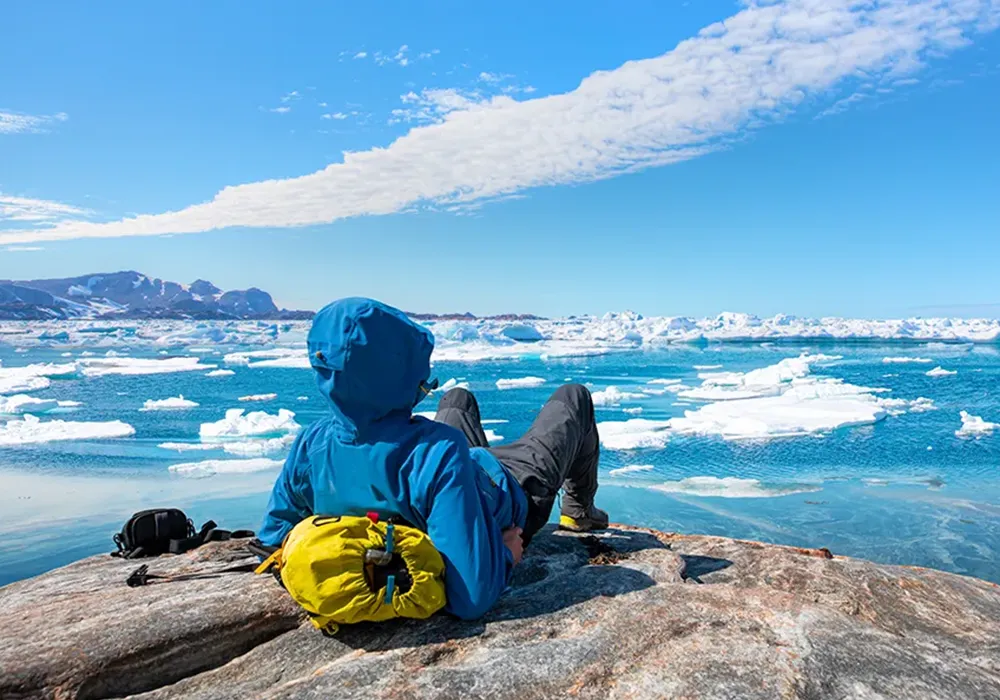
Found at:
[259, 448]
[731, 487]
[211, 467]
[632, 468]
[16, 380]
[766, 381]
[492, 436]
[220, 373]
[449, 385]
[173, 403]
[295, 358]
[189, 446]
[31, 430]
[780, 400]
[258, 397]
[634, 433]
[22, 403]
[940, 372]
[974, 426]
[238, 423]
[520, 383]
[632, 410]
[707, 367]
[904, 360]
[100, 367]
[613, 396]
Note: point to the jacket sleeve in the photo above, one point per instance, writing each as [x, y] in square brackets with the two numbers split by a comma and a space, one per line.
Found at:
[464, 531]
[291, 498]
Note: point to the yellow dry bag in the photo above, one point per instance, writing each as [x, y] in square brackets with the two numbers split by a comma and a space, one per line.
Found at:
[346, 569]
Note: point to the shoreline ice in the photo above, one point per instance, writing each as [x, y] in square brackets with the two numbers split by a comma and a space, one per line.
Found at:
[730, 487]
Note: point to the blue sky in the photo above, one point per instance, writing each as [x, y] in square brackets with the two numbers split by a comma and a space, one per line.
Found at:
[809, 157]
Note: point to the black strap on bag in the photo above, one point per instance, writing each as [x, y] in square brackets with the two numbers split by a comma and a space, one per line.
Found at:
[150, 533]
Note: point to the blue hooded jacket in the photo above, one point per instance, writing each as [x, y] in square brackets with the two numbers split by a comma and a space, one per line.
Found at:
[371, 454]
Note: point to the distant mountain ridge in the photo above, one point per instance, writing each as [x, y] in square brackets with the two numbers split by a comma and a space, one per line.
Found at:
[131, 294]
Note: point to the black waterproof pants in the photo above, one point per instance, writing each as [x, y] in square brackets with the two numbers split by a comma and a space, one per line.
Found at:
[560, 450]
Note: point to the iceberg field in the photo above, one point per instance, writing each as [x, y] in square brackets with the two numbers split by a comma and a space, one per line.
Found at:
[780, 400]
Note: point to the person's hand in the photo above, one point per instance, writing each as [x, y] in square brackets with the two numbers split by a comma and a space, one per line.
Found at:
[512, 540]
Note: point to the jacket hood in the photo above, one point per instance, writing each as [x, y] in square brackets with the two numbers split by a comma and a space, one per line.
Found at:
[371, 361]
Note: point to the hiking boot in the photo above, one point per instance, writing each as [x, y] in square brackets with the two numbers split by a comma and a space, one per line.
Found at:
[593, 519]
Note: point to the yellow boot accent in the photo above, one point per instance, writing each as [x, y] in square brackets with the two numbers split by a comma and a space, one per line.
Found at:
[568, 523]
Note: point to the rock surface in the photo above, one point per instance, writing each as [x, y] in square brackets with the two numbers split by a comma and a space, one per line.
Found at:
[629, 614]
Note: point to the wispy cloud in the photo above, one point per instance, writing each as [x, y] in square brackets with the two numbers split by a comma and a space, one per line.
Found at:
[399, 57]
[361, 54]
[288, 97]
[334, 115]
[23, 249]
[37, 210]
[745, 72]
[284, 109]
[20, 123]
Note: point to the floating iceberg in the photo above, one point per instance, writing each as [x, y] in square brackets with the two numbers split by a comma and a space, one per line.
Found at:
[974, 426]
[189, 446]
[451, 384]
[211, 467]
[631, 469]
[259, 448]
[802, 410]
[766, 381]
[781, 400]
[295, 358]
[940, 372]
[171, 404]
[903, 360]
[520, 383]
[258, 397]
[31, 430]
[634, 434]
[16, 380]
[100, 367]
[22, 403]
[613, 396]
[492, 436]
[220, 373]
[257, 423]
[730, 487]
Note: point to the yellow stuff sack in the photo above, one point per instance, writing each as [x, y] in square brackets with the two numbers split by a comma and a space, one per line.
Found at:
[347, 569]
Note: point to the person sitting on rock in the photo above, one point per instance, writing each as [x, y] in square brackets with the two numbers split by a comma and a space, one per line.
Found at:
[480, 505]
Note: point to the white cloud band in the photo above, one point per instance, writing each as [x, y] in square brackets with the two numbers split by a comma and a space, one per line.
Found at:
[736, 74]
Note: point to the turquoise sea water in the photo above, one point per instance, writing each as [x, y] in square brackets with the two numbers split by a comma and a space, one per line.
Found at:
[906, 490]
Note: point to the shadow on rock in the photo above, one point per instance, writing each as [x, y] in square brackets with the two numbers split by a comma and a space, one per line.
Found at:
[696, 566]
[560, 570]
